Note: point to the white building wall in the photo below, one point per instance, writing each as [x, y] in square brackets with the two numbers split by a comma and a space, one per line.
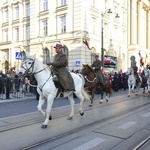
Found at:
[79, 27]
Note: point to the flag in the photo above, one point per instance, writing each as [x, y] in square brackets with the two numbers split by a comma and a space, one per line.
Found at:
[86, 43]
[141, 59]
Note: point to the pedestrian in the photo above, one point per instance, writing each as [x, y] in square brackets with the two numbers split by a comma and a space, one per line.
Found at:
[116, 82]
[125, 81]
[59, 71]
[8, 85]
[97, 69]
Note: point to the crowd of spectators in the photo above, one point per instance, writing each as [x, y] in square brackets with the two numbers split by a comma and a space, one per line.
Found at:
[11, 82]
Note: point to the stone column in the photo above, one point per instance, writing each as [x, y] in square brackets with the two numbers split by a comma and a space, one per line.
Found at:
[133, 22]
[139, 23]
[148, 29]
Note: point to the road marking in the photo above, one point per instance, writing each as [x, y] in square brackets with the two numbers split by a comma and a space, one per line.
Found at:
[127, 125]
[90, 144]
[146, 115]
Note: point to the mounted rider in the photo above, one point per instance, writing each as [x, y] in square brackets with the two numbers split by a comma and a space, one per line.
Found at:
[135, 70]
[97, 69]
[60, 72]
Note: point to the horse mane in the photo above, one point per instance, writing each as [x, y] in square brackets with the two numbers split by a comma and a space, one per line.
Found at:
[89, 66]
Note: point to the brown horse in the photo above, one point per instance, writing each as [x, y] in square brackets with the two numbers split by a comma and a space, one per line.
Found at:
[91, 84]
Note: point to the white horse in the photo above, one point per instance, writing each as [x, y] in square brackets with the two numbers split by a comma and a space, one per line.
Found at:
[132, 82]
[47, 90]
[147, 75]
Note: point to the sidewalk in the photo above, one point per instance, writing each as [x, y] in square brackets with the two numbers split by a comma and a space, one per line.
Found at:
[18, 96]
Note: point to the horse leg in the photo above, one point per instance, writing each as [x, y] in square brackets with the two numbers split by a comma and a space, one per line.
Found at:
[129, 86]
[101, 96]
[70, 97]
[50, 100]
[81, 98]
[40, 104]
[106, 98]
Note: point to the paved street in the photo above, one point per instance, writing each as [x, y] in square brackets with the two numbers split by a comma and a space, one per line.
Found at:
[121, 124]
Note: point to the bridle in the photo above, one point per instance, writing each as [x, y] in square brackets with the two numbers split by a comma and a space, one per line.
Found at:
[31, 67]
[27, 69]
[86, 74]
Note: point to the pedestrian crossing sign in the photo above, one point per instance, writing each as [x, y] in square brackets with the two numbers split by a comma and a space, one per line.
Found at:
[19, 55]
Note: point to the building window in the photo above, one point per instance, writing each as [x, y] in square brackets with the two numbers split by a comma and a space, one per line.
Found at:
[5, 35]
[45, 5]
[5, 1]
[63, 2]
[17, 34]
[45, 27]
[27, 9]
[28, 32]
[16, 13]
[63, 24]
[94, 25]
[6, 17]
[93, 3]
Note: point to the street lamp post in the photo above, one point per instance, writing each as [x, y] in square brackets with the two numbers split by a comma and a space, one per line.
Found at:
[102, 33]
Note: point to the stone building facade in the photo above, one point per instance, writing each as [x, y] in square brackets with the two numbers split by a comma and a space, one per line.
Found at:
[33, 27]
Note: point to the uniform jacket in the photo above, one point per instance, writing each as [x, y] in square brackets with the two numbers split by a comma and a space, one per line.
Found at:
[98, 72]
[59, 68]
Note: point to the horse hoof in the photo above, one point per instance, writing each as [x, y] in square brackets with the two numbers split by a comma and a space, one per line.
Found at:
[100, 102]
[81, 113]
[128, 95]
[90, 105]
[50, 117]
[44, 126]
[106, 100]
[69, 118]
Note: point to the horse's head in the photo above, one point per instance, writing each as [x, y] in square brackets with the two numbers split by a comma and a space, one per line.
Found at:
[86, 69]
[130, 71]
[27, 66]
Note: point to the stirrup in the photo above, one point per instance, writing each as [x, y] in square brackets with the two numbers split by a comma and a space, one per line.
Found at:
[55, 78]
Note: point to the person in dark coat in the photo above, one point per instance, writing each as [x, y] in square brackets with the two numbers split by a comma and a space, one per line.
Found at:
[97, 69]
[60, 71]
[125, 81]
[116, 82]
[135, 69]
[8, 85]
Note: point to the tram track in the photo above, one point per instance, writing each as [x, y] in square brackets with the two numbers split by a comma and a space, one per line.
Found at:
[141, 146]
[41, 118]
[128, 111]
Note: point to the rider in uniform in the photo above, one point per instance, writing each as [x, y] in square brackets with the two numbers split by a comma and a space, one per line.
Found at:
[60, 72]
[97, 69]
[135, 69]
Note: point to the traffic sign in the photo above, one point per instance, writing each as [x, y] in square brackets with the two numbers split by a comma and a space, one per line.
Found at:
[19, 55]
[77, 63]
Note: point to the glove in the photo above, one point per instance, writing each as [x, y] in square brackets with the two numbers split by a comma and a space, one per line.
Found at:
[49, 63]
[93, 67]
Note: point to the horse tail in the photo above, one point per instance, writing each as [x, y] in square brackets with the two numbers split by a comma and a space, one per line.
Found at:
[84, 93]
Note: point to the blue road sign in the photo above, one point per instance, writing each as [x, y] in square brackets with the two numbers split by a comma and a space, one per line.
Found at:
[19, 55]
[77, 63]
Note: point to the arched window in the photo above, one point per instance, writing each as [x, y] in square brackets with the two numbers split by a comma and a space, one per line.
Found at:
[46, 55]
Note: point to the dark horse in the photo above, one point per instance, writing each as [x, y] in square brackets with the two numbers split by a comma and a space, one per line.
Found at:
[91, 84]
